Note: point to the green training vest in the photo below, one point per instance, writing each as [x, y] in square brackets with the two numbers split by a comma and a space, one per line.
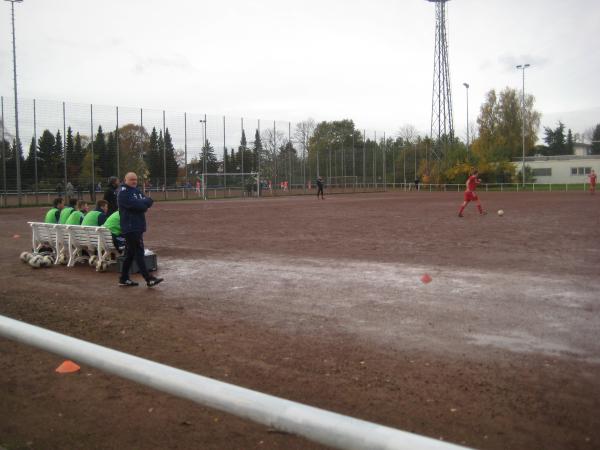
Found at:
[64, 214]
[75, 218]
[113, 223]
[91, 219]
[51, 216]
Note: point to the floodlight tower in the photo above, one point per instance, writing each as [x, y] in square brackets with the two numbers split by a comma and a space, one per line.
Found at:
[442, 128]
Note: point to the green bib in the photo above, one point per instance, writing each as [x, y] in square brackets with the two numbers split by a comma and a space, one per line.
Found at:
[51, 216]
[91, 219]
[75, 218]
[64, 214]
[113, 223]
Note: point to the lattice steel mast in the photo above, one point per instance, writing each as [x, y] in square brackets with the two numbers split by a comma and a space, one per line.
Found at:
[442, 125]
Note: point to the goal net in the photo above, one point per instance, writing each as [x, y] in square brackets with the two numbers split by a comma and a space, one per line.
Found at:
[221, 184]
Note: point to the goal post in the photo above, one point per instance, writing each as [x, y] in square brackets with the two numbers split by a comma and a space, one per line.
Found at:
[247, 183]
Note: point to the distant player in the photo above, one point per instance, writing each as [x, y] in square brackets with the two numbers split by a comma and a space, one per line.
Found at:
[592, 176]
[320, 186]
[470, 194]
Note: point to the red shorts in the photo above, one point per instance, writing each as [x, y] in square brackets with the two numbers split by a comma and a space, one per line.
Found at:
[471, 196]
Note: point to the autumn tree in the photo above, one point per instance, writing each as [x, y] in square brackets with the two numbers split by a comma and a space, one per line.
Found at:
[500, 126]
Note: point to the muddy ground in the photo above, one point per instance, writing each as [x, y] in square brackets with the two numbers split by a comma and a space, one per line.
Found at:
[321, 302]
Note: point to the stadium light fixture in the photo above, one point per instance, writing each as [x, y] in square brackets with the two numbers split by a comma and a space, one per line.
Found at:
[522, 68]
[17, 139]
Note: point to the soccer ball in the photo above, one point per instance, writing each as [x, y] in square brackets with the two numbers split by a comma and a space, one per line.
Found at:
[24, 257]
[92, 260]
[48, 261]
[500, 212]
[36, 261]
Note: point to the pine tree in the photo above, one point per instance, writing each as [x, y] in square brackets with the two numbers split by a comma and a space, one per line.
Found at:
[243, 154]
[58, 157]
[256, 151]
[153, 157]
[78, 152]
[172, 166]
[160, 174]
[111, 155]
[211, 158]
[226, 165]
[570, 147]
[596, 140]
[28, 171]
[100, 153]
[15, 150]
[46, 144]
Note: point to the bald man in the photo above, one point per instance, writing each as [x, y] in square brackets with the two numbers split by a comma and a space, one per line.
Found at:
[132, 209]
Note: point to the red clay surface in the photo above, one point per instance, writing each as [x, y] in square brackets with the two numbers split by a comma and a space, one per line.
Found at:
[321, 302]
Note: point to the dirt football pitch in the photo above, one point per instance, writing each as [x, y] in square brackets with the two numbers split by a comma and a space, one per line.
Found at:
[322, 302]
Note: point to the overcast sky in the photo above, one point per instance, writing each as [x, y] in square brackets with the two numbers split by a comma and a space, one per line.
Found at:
[371, 61]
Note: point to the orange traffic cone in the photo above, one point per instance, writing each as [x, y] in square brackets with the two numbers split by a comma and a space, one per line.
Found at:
[68, 367]
[426, 278]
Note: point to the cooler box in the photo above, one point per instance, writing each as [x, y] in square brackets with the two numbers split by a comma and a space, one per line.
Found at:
[149, 258]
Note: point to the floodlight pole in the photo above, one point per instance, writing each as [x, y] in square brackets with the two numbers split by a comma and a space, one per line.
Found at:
[467, 86]
[522, 68]
[203, 157]
[17, 141]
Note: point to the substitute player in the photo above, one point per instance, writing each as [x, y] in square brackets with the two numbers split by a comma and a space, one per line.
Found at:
[471, 194]
[592, 176]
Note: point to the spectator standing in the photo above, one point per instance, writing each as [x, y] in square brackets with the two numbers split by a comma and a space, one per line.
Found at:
[110, 195]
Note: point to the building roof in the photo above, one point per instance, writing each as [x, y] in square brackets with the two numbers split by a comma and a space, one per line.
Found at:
[557, 158]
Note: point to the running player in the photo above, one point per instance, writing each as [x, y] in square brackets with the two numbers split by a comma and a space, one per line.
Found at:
[592, 176]
[470, 194]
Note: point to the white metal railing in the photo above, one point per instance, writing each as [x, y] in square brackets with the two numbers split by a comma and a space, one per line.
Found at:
[316, 424]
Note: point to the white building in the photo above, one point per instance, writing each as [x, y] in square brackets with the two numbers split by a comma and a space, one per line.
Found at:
[561, 169]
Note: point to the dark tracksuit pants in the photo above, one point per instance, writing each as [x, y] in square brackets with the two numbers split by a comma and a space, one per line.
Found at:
[134, 249]
[319, 189]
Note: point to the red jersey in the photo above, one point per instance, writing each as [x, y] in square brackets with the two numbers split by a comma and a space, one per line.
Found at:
[592, 178]
[472, 183]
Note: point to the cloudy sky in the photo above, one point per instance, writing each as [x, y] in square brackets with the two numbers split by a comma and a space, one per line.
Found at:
[371, 61]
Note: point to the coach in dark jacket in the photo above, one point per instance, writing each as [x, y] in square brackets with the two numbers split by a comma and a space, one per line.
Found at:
[132, 209]
[110, 195]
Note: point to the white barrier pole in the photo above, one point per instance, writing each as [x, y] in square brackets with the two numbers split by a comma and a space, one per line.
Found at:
[315, 424]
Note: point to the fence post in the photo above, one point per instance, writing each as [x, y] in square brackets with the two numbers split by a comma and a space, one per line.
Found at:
[185, 154]
[35, 153]
[65, 146]
[93, 190]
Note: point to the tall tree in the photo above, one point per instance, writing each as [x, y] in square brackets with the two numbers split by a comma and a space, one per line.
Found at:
[111, 155]
[46, 145]
[257, 150]
[134, 147]
[570, 146]
[100, 151]
[555, 140]
[28, 172]
[154, 157]
[242, 151]
[59, 157]
[500, 126]
[212, 164]
[171, 159]
[596, 140]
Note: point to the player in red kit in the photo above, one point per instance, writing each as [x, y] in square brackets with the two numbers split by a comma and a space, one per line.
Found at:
[470, 194]
[592, 176]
